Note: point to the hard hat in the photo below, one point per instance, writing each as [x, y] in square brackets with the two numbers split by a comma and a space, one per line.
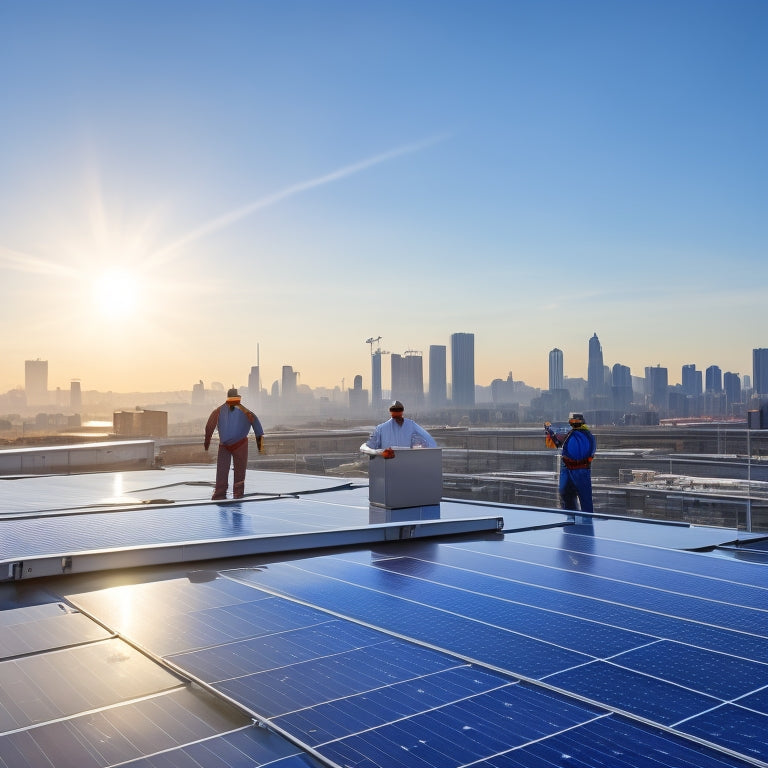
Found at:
[397, 406]
[232, 392]
[575, 418]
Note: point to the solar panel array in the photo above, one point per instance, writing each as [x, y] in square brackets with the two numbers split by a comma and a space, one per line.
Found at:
[538, 649]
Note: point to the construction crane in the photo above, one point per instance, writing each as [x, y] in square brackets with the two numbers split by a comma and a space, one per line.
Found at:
[372, 341]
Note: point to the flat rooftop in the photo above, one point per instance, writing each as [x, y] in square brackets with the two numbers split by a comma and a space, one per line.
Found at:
[142, 624]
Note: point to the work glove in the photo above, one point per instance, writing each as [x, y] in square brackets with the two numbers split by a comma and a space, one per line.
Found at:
[260, 443]
[388, 453]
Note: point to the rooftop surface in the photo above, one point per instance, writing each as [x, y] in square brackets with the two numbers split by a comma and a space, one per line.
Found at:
[145, 625]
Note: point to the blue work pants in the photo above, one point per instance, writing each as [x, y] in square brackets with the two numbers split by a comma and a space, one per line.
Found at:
[576, 489]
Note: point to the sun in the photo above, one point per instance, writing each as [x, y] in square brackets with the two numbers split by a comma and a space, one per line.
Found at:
[116, 293]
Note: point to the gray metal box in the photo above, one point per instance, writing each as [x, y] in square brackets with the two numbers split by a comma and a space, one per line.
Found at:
[413, 478]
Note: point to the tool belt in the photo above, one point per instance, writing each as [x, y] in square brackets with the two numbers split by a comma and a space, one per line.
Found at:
[571, 464]
[234, 446]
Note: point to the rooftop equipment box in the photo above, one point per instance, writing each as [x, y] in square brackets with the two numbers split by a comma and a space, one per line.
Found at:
[413, 478]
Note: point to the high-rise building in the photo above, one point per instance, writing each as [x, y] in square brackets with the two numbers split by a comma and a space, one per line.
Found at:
[358, 397]
[621, 386]
[595, 369]
[36, 381]
[254, 387]
[713, 380]
[658, 385]
[408, 378]
[556, 376]
[691, 380]
[438, 381]
[760, 371]
[75, 396]
[732, 387]
[289, 383]
[463, 369]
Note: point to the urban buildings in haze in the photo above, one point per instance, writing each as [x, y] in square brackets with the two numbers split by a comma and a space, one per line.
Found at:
[438, 380]
[36, 381]
[556, 376]
[463, 369]
[760, 371]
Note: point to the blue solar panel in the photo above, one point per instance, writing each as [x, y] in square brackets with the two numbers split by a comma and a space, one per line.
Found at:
[611, 742]
[716, 674]
[276, 648]
[631, 692]
[448, 630]
[452, 571]
[246, 748]
[632, 572]
[462, 732]
[336, 719]
[739, 729]
[308, 683]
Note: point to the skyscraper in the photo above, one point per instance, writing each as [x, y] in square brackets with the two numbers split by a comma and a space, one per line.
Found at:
[732, 387]
[438, 382]
[75, 396]
[556, 377]
[254, 387]
[658, 385]
[691, 383]
[36, 381]
[408, 378]
[289, 383]
[713, 380]
[595, 369]
[621, 386]
[760, 371]
[463, 369]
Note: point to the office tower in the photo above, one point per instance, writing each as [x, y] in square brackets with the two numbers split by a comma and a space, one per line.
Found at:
[714, 380]
[595, 369]
[658, 381]
[75, 396]
[556, 377]
[36, 381]
[463, 369]
[289, 383]
[438, 381]
[254, 387]
[408, 378]
[621, 386]
[760, 371]
[358, 397]
[691, 380]
[732, 387]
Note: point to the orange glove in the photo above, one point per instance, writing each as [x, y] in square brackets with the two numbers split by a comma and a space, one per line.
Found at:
[388, 453]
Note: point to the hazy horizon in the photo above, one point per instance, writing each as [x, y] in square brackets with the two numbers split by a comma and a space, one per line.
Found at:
[184, 182]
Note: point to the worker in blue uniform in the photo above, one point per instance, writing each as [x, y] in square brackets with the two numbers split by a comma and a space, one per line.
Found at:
[396, 432]
[577, 449]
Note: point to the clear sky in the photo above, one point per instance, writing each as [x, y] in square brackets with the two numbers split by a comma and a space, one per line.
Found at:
[181, 181]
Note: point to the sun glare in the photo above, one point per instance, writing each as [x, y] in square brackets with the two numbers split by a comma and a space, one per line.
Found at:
[116, 293]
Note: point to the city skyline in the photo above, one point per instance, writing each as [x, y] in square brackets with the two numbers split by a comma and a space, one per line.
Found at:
[185, 182]
[692, 378]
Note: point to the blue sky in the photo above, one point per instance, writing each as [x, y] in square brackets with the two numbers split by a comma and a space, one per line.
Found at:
[182, 181]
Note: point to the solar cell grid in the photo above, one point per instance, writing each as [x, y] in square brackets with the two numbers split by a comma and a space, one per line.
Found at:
[342, 717]
[665, 602]
[611, 742]
[43, 687]
[608, 613]
[742, 730]
[448, 630]
[716, 674]
[659, 556]
[629, 572]
[266, 651]
[58, 630]
[117, 734]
